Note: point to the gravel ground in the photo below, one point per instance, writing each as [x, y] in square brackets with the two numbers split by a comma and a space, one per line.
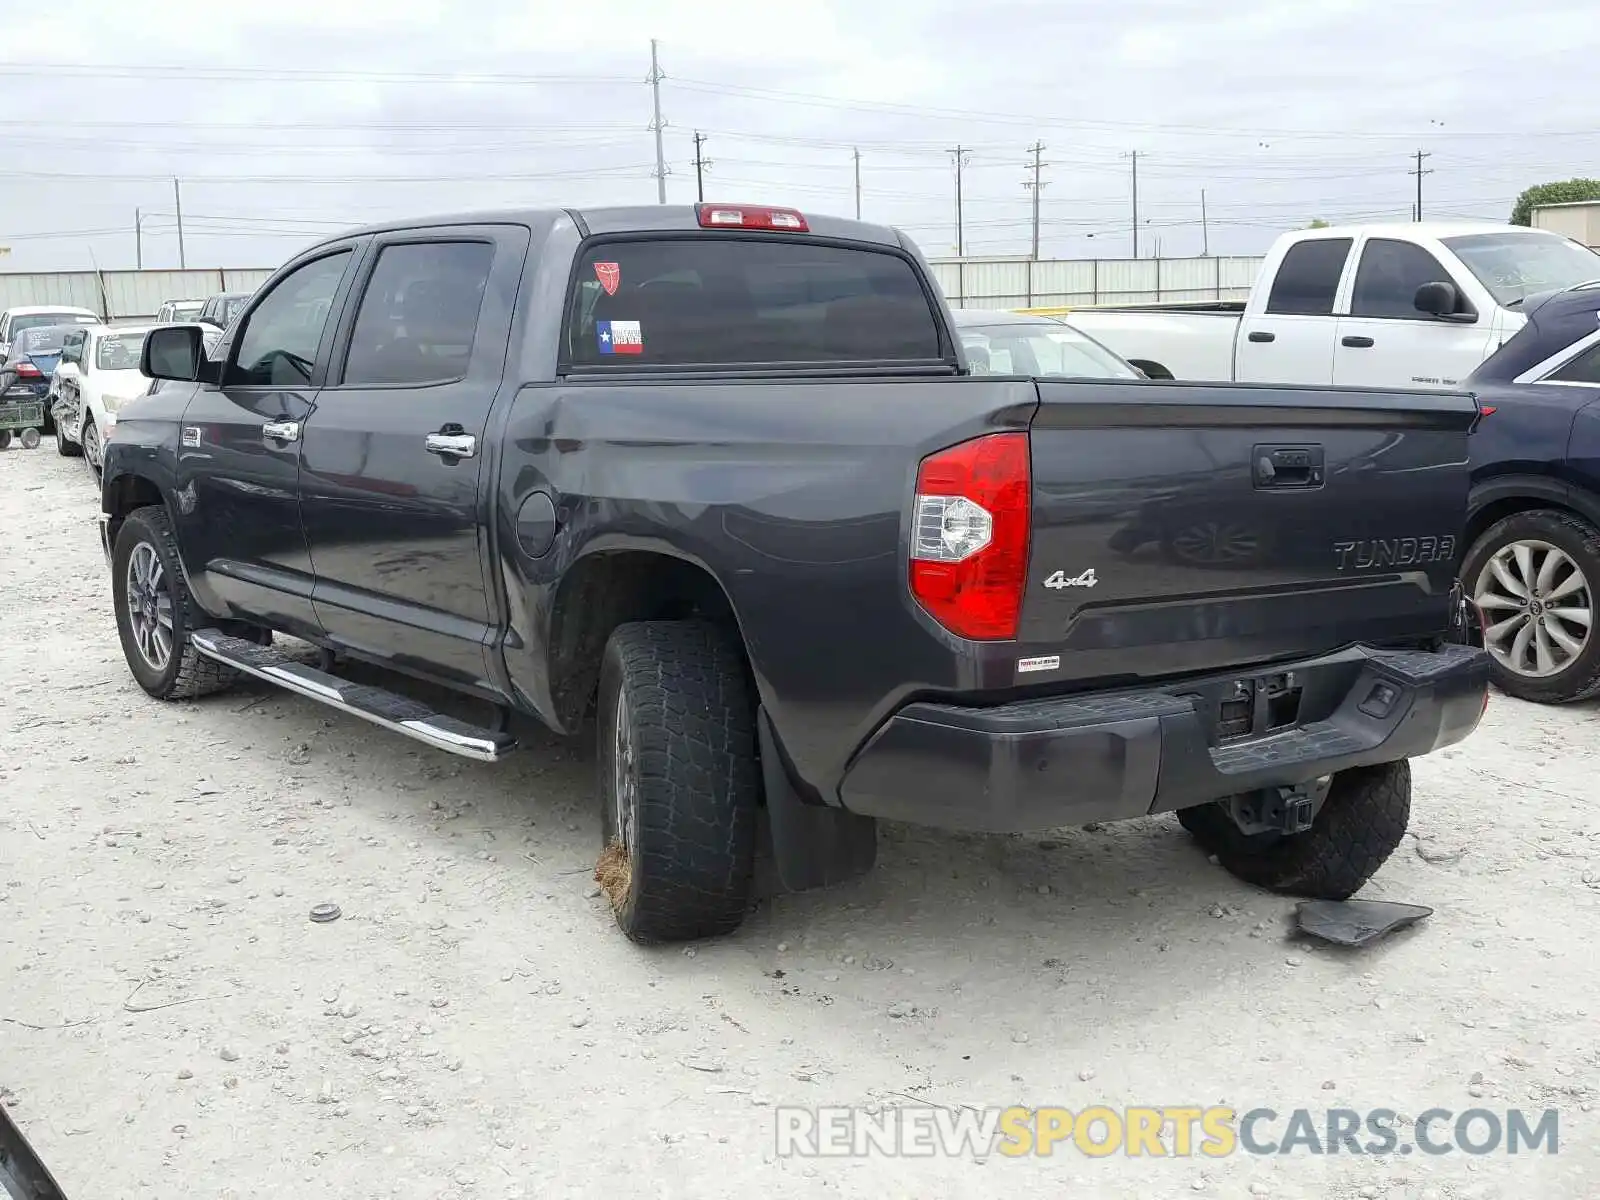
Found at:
[475, 1026]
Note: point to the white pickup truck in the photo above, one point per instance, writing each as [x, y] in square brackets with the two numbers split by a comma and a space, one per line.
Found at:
[1400, 305]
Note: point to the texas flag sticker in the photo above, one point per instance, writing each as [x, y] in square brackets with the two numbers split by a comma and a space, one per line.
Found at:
[619, 337]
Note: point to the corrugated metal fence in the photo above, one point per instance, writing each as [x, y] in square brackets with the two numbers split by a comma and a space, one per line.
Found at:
[968, 283]
[126, 293]
[1023, 283]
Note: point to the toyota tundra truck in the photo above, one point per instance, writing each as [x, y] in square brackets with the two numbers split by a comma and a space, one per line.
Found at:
[719, 482]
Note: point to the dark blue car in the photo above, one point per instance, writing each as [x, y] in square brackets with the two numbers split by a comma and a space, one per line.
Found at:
[1533, 558]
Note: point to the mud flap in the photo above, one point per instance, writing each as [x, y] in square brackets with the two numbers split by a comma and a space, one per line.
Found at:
[813, 845]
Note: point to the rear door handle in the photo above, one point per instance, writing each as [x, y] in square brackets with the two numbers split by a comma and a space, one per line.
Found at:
[281, 431]
[1355, 342]
[1261, 335]
[456, 445]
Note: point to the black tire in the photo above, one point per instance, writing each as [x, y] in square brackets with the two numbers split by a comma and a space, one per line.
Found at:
[185, 674]
[1359, 826]
[87, 430]
[5, 439]
[681, 866]
[1580, 541]
[65, 448]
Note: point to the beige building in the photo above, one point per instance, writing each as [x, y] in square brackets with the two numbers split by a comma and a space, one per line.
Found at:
[1579, 220]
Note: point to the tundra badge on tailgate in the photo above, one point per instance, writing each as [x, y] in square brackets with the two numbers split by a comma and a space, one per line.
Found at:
[1370, 553]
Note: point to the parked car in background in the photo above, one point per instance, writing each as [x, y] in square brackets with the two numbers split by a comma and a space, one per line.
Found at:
[30, 316]
[98, 374]
[220, 309]
[27, 369]
[175, 311]
[1008, 343]
[1533, 531]
[1412, 306]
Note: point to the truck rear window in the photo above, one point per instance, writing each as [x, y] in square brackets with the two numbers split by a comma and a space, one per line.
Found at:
[731, 300]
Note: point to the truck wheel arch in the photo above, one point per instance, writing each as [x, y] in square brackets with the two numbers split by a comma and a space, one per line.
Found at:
[126, 493]
[607, 588]
[1493, 500]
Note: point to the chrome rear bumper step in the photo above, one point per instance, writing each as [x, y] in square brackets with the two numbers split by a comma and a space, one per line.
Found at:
[375, 704]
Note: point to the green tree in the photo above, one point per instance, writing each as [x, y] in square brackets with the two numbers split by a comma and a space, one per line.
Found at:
[1317, 223]
[1567, 191]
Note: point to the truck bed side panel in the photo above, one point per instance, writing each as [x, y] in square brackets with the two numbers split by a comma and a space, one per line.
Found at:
[793, 494]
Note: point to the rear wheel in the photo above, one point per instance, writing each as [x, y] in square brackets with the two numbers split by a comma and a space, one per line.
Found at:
[155, 614]
[1534, 577]
[65, 448]
[93, 448]
[678, 780]
[1360, 824]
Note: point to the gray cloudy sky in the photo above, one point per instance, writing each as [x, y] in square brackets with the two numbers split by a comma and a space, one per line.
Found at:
[290, 119]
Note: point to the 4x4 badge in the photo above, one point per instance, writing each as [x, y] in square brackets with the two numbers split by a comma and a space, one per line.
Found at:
[1059, 580]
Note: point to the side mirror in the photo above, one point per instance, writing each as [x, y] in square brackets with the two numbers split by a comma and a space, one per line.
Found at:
[1439, 300]
[172, 352]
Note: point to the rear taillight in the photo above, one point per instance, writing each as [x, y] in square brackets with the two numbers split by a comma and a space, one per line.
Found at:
[26, 370]
[969, 538]
[1486, 410]
[750, 216]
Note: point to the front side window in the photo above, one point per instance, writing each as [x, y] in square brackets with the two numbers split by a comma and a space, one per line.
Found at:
[1389, 276]
[1308, 278]
[419, 315]
[278, 346]
[741, 300]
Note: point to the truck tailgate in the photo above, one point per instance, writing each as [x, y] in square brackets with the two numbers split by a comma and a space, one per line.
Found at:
[1189, 528]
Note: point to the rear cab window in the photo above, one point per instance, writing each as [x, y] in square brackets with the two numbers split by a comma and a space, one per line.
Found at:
[727, 299]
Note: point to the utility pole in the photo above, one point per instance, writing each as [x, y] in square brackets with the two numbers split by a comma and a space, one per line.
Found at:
[856, 154]
[700, 164]
[1419, 173]
[1205, 232]
[961, 161]
[654, 80]
[138, 238]
[1035, 185]
[177, 200]
[1134, 156]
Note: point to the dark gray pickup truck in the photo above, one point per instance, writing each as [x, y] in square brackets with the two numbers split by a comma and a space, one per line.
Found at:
[721, 478]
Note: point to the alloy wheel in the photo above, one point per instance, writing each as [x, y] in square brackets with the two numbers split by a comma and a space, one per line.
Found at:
[1538, 608]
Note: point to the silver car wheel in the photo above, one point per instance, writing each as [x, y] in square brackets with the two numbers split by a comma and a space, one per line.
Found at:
[1538, 608]
[149, 601]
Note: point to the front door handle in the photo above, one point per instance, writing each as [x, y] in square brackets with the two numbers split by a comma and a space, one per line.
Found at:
[281, 431]
[1355, 342]
[456, 445]
[1262, 335]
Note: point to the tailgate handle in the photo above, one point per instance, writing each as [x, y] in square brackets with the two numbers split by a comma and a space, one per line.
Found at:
[1288, 466]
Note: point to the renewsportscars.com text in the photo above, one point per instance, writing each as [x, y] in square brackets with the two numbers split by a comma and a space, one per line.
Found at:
[1157, 1132]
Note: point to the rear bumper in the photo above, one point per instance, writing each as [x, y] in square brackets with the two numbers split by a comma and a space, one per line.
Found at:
[1039, 764]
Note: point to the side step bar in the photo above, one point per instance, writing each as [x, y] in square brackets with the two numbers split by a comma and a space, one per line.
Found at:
[375, 704]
